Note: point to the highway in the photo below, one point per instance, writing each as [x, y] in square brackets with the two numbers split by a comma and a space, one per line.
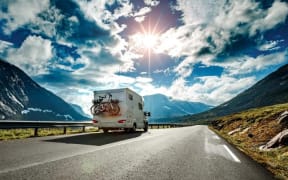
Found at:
[178, 153]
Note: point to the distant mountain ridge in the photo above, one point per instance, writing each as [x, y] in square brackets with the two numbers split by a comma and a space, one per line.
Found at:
[273, 89]
[164, 108]
[78, 109]
[23, 99]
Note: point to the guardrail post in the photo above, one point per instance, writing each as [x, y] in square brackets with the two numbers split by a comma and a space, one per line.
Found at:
[65, 129]
[35, 132]
[83, 129]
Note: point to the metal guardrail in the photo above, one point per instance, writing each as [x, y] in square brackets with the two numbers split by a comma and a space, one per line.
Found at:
[16, 124]
[12, 124]
[165, 125]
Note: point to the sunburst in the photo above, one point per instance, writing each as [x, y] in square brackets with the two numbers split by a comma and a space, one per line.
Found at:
[147, 38]
[146, 41]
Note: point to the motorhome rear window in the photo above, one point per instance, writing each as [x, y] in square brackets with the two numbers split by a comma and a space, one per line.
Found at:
[130, 97]
[140, 106]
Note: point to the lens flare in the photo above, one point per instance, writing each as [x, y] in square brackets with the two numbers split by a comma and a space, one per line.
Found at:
[145, 41]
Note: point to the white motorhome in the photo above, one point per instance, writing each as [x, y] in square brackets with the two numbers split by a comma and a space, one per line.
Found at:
[119, 109]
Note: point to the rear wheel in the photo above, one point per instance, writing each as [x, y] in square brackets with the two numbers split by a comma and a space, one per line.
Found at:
[134, 128]
[146, 127]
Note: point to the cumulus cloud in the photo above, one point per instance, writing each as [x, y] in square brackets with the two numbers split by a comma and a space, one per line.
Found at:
[96, 11]
[217, 37]
[20, 13]
[247, 64]
[211, 90]
[214, 36]
[276, 14]
[33, 56]
[47, 21]
[199, 11]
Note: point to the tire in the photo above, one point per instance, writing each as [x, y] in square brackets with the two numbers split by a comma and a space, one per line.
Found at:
[133, 129]
[105, 131]
[146, 127]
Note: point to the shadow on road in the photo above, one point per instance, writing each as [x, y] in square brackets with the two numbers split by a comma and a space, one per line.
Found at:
[97, 139]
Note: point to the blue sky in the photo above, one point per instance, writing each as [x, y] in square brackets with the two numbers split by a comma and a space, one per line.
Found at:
[196, 50]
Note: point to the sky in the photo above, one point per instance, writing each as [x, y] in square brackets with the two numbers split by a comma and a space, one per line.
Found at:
[194, 50]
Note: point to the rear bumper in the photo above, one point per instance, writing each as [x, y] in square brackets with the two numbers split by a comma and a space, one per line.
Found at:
[112, 125]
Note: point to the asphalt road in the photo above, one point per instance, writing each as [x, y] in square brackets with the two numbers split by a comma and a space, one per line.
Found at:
[180, 153]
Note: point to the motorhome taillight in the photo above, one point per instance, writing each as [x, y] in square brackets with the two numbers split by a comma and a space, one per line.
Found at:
[95, 121]
[121, 121]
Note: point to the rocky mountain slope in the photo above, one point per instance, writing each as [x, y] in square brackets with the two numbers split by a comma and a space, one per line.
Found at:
[261, 133]
[273, 89]
[23, 99]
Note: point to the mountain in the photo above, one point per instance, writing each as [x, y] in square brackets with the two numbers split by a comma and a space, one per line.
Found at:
[23, 99]
[79, 110]
[161, 107]
[273, 89]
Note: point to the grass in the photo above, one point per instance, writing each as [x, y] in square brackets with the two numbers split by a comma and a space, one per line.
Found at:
[258, 126]
[26, 133]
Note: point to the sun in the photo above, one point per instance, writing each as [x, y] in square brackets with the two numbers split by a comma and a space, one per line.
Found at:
[147, 37]
[145, 41]
[149, 41]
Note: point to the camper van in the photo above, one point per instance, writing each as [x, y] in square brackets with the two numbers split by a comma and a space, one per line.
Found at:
[119, 109]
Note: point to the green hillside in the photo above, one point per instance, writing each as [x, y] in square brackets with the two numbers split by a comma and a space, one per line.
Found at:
[251, 129]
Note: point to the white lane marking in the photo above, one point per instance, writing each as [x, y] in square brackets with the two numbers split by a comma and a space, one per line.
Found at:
[216, 137]
[76, 154]
[232, 154]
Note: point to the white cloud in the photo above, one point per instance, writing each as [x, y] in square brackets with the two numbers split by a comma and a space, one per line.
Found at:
[4, 48]
[152, 2]
[199, 11]
[22, 12]
[110, 56]
[143, 80]
[139, 18]
[32, 56]
[207, 34]
[275, 15]
[166, 71]
[270, 45]
[5, 44]
[48, 21]
[143, 11]
[145, 89]
[124, 10]
[96, 11]
[140, 15]
[211, 90]
[246, 64]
